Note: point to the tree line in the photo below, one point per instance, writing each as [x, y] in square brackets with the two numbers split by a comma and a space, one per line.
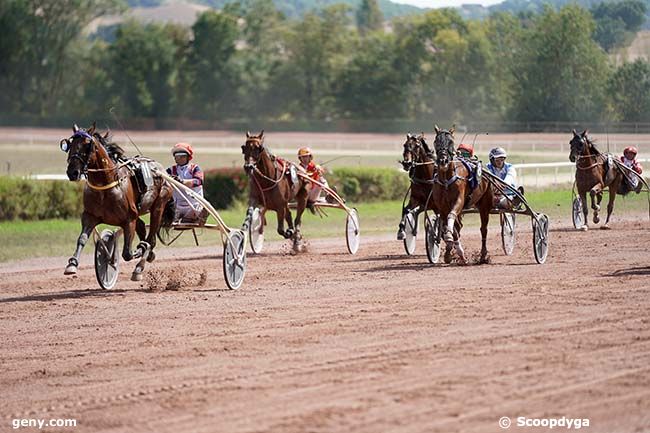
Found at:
[248, 61]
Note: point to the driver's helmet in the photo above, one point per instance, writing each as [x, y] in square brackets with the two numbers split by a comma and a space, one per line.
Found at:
[630, 149]
[466, 150]
[497, 152]
[304, 151]
[183, 149]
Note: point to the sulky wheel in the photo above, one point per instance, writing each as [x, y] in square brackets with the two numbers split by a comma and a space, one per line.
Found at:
[578, 220]
[352, 231]
[257, 238]
[410, 232]
[234, 259]
[540, 238]
[107, 259]
[508, 233]
[433, 237]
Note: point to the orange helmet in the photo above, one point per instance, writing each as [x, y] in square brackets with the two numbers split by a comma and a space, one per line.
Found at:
[304, 151]
[185, 148]
[467, 148]
[630, 149]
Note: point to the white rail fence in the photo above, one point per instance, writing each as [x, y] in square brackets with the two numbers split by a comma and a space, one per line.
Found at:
[530, 175]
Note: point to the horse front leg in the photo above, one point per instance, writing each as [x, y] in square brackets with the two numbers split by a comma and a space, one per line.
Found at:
[88, 223]
[596, 194]
[281, 213]
[410, 208]
[613, 188]
[585, 210]
[485, 219]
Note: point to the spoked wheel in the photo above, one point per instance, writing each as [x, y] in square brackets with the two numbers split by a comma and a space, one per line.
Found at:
[508, 233]
[540, 238]
[107, 259]
[352, 231]
[234, 259]
[257, 238]
[433, 237]
[167, 235]
[410, 233]
[578, 216]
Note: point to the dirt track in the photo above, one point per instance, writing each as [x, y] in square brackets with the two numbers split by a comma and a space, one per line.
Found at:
[327, 342]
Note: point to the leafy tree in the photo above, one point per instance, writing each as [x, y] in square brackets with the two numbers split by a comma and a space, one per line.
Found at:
[369, 16]
[629, 92]
[561, 72]
[144, 68]
[317, 48]
[371, 85]
[213, 47]
[617, 22]
[36, 39]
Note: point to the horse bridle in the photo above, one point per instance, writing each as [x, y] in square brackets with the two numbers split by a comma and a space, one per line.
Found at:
[78, 154]
[443, 160]
[585, 143]
[413, 163]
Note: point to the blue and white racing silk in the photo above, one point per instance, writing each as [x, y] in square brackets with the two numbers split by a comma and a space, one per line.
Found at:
[507, 173]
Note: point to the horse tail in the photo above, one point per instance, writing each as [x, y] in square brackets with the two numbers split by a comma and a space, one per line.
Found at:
[168, 214]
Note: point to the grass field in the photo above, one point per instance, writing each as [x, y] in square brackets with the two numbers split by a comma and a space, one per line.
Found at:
[28, 239]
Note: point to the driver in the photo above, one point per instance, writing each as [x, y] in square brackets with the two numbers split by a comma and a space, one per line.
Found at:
[190, 175]
[316, 172]
[629, 160]
[507, 173]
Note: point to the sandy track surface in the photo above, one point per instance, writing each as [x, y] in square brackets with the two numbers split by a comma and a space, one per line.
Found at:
[326, 342]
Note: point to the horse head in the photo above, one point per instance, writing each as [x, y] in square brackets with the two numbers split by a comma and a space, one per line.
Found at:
[81, 150]
[252, 150]
[409, 151]
[580, 144]
[444, 145]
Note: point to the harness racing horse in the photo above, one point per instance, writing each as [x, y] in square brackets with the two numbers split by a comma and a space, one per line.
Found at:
[417, 160]
[452, 193]
[594, 174]
[111, 197]
[272, 189]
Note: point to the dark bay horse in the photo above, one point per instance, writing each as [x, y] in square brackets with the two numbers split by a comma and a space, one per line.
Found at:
[417, 160]
[594, 172]
[111, 197]
[272, 189]
[452, 193]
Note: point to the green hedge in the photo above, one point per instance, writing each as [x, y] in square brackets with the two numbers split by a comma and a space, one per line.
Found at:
[224, 186]
[34, 200]
[360, 184]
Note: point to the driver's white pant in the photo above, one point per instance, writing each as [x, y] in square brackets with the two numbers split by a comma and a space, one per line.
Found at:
[315, 190]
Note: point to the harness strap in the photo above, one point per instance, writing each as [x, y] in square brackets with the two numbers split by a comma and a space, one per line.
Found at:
[103, 188]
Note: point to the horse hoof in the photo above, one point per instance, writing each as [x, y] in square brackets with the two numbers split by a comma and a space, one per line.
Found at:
[400, 235]
[151, 257]
[70, 270]
[596, 219]
[584, 228]
[605, 227]
[136, 276]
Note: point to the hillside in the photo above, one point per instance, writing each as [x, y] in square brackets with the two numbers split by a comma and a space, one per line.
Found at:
[161, 10]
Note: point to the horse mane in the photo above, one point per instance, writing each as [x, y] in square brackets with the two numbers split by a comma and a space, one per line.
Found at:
[425, 145]
[592, 145]
[114, 150]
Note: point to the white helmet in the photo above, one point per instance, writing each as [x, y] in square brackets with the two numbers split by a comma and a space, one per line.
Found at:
[497, 152]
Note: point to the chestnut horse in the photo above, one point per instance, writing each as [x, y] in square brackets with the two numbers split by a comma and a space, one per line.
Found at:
[452, 193]
[417, 159]
[111, 197]
[272, 189]
[593, 175]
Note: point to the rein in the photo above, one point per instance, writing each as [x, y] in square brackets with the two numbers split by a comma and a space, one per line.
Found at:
[595, 164]
[451, 180]
[274, 182]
